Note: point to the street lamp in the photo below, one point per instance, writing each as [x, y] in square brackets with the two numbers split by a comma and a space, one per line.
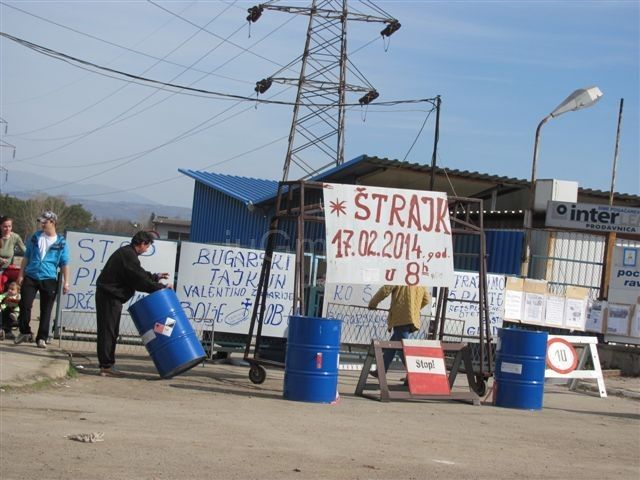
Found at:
[581, 98]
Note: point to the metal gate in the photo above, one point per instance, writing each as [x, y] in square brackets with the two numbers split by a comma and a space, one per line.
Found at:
[565, 258]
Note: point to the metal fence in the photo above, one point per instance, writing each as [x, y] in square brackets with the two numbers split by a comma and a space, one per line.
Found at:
[567, 259]
[76, 330]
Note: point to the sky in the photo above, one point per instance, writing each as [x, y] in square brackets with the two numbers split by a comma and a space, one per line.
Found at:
[500, 67]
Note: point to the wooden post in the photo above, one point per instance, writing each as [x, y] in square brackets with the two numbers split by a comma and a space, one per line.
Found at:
[606, 267]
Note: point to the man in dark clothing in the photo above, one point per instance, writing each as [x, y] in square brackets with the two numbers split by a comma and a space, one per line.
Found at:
[121, 276]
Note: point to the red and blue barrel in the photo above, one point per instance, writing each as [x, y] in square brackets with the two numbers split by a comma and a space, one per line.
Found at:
[166, 332]
[312, 358]
[520, 366]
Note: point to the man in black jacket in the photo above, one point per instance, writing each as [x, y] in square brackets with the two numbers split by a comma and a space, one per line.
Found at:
[121, 276]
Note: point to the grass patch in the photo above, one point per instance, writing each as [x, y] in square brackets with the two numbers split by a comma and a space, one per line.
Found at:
[41, 384]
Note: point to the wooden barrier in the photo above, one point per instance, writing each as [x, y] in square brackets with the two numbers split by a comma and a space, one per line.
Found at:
[575, 367]
[401, 392]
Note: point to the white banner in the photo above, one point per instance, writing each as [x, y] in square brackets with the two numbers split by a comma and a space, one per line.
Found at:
[217, 285]
[387, 236]
[349, 304]
[88, 252]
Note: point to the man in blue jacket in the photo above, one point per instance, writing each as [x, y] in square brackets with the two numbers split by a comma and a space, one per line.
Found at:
[47, 252]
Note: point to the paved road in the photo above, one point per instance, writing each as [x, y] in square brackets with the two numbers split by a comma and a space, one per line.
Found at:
[211, 422]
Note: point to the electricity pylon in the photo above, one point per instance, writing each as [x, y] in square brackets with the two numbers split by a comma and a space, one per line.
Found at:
[316, 138]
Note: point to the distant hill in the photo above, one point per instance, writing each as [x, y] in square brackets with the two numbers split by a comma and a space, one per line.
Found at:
[110, 205]
[132, 211]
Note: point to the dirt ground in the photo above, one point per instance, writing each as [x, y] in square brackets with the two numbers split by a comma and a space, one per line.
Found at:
[211, 422]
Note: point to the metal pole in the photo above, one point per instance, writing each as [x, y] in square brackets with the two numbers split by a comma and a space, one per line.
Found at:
[436, 136]
[528, 216]
[301, 87]
[615, 155]
[341, 89]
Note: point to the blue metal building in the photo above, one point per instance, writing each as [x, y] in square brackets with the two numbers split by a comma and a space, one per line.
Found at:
[234, 210]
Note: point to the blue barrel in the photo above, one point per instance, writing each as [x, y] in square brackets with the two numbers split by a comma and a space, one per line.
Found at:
[167, 333]
[311, 361]
[520, 366]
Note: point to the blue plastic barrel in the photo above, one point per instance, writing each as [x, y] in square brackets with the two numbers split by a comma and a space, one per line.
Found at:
[311, 361]
[520, 366]
[167, 333]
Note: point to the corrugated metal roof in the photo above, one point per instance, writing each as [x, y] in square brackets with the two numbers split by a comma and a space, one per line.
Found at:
[246, 189]
[258, 190]
[472, 175]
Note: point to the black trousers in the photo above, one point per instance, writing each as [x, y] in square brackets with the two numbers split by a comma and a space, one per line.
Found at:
[108, 312]
[48, 290]
[6, 319]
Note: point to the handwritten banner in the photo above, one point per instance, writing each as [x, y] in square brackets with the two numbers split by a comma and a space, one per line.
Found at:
[217, 286]
[88, 252]
[387, 236]
[465, 287]
[349, 303]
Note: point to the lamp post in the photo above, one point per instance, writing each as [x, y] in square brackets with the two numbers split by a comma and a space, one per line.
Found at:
[581, 98]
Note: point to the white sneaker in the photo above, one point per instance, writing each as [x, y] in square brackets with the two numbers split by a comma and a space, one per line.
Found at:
[41, 344]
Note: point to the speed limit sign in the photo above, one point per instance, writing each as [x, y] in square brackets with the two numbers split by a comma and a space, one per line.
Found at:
[561, 356]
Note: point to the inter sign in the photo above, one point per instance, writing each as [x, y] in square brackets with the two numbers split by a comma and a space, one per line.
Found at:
[587, 216]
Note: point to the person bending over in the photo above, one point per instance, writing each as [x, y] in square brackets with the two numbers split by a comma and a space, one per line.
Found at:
[121, 276]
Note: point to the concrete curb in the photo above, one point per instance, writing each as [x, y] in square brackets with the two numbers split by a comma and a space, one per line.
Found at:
[618, 392]
[17, 373]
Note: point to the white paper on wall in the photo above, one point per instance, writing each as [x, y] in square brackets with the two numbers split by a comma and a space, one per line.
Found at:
[554, 311]
[618, 319]
[595, 317]
[513, 304]
[634, 331]
[575, 313]
[533, 308]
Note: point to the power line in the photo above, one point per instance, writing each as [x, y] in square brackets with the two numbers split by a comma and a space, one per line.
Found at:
[246, 50]
[198, 92]
[50, 92]
[113, 44]
[418, 135]
[115, 120]
[234, 157]
[177, 177]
